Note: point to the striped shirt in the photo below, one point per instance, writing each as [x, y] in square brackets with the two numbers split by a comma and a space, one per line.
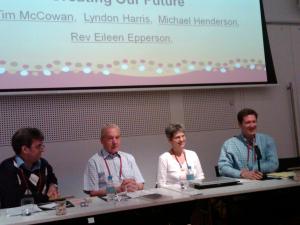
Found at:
[103, 164]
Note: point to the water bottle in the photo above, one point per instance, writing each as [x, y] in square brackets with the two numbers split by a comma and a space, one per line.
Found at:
[110, 189]
[190, 174]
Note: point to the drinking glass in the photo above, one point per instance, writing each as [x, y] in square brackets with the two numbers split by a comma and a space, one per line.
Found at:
[61, 207]
[129, 186]
[123, 196]
[183, 182]
[27, 204]
[117, 183]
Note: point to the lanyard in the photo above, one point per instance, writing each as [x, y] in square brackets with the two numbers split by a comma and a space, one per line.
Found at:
[107, 167]
[178, 160]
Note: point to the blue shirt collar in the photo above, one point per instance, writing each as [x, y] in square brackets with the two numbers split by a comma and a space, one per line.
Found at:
[19, 162]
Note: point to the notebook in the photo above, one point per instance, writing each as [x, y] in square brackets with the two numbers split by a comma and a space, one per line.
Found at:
[214, 182]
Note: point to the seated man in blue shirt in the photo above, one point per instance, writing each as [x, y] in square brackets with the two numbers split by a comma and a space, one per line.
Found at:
[238, 156]
[26, 174]
[110, 161]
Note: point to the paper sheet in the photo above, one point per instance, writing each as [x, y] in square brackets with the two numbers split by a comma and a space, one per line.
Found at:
[19, 210]
[282, 174]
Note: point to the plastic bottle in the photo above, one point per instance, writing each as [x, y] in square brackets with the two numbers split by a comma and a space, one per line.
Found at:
[110, 189]
[190, 174]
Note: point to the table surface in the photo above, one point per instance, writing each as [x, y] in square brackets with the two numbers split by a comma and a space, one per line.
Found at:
[97, 206]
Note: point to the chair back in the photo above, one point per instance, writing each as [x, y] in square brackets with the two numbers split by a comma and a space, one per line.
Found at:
[217, 171]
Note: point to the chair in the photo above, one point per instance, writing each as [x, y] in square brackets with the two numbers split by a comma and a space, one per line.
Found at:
[217, 171]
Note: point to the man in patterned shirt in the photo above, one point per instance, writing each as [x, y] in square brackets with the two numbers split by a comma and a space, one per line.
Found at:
[250, 154]
[27, 174]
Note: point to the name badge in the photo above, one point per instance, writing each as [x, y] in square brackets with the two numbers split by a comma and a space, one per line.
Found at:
[34, 179]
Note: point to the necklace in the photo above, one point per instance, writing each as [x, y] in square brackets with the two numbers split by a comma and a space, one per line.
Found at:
[180, 165]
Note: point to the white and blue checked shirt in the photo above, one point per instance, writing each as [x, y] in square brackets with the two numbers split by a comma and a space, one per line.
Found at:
[96, 172]
[234, 156]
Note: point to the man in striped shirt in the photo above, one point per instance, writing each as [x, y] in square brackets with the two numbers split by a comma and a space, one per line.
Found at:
[110, 161]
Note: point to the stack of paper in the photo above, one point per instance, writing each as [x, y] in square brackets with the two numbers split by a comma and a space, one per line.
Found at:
[286, 175]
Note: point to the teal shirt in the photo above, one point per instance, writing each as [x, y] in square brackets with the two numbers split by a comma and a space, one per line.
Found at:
[234, 156]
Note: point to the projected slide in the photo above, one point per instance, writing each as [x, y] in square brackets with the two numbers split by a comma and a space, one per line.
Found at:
[129, 43]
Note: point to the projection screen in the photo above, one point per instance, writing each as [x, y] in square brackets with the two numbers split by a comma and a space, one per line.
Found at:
[103, 44]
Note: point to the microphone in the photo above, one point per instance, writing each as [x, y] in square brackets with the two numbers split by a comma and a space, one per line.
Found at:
[256, 149]
[257, 152]
[258, 156]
